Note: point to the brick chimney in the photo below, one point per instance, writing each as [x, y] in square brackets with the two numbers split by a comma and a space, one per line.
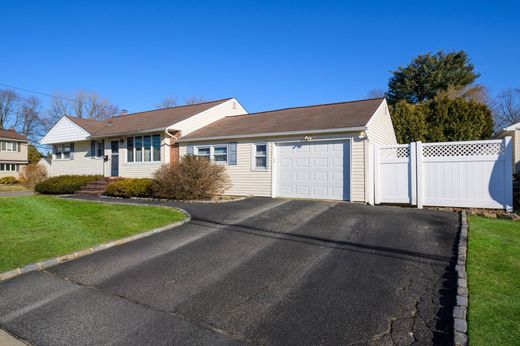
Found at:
[174, 148]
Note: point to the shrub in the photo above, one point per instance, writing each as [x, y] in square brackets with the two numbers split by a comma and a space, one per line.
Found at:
[8, 180]
[32, 174]
[64, 184]
[127, 188]
[192, 178]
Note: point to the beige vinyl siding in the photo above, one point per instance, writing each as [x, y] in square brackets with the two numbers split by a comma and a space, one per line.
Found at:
[81, 164]
[358, 170]
[380, 129]
[246, 181]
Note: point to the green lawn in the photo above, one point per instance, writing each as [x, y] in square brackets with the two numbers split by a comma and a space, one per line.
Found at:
[13, 187]
[34, 228]
[494, 281]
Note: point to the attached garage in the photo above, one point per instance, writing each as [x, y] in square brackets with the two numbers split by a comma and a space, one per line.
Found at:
[319, 170]
[316, 152]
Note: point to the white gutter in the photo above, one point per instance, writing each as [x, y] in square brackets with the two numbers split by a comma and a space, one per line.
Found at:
[275, 134]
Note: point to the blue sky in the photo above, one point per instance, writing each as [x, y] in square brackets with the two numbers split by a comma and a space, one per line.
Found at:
[267, 54]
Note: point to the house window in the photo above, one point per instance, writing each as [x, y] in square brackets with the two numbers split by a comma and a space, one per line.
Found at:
[204, 152]
[9, 146]
[156, 145]
[100, 148]
[143, 149]
[260, 156]
[130, 149]
[63, 151]
[138, 149]
[147, 141]
[220, 153]
[8, 167]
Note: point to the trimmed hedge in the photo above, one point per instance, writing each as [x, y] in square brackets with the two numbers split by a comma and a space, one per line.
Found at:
[65, 184]
[128, 187]
[8, 180]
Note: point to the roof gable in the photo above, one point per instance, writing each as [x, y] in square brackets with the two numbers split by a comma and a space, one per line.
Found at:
[334, 116]
[65, 130]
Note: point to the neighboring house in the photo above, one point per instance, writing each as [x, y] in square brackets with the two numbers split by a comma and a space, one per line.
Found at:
[514, 132]
[309, 152]
[14, 153]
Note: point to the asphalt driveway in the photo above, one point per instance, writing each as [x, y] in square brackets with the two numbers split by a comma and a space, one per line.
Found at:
[261, 271]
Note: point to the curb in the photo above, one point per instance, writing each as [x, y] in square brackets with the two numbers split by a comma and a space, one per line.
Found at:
[460, 324]
[38, 266]
[241, 198]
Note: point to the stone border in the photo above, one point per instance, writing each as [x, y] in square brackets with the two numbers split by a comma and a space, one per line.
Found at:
[241, 198]
[460, 324]
[91, 250]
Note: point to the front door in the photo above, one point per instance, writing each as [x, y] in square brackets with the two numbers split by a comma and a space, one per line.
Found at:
[114, 146]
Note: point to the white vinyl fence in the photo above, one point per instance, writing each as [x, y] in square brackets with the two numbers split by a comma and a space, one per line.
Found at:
[473, 174]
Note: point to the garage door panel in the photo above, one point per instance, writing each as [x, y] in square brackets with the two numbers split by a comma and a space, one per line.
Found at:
[314, 170]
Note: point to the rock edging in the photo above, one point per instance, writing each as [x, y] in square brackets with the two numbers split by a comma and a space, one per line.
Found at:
[460, 311]
[91, 250]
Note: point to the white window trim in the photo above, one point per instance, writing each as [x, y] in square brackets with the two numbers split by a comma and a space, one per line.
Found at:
[62, 158]
[152, 158]
[10, 146]
[212, 152]
[14, 167]
[254, 168]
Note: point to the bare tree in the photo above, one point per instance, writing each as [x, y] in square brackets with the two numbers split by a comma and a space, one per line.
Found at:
[8, 105]
[376, 93]
[28, 120]
[167, 102]
[90, 105]
[83, 105]
[506, 108]
[194, 100]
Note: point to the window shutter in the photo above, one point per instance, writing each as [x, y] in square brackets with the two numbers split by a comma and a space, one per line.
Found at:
[72, 151]
[189, 150]
[232, 155]
[93, 148]
[20, 147]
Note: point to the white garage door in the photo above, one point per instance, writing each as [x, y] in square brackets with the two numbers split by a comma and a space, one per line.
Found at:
[313, 170]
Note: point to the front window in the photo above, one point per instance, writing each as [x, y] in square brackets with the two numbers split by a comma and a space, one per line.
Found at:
[147, 148]
[100, 148]
[143, 148]
[138, 149]
[62, 151]
[156, 145]
[220, 153]
[204, 152]
[260, 156]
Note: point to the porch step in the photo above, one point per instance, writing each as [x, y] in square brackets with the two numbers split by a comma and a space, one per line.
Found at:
[95, 188]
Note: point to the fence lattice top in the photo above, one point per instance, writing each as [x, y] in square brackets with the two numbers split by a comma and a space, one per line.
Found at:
[462, 150]
[395, 152]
